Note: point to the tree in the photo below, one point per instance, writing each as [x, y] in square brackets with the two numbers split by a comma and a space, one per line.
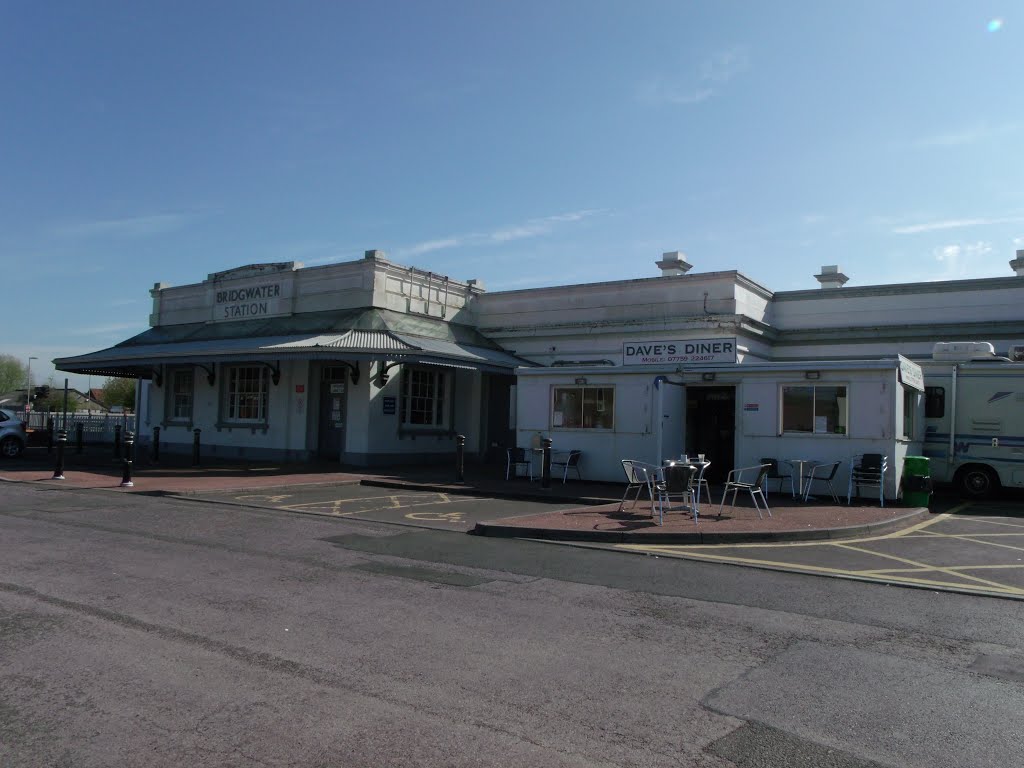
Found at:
[13, 374]
[54, 402]
[119, 392]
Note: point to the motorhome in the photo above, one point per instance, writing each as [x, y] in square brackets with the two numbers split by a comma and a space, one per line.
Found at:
[974, 416]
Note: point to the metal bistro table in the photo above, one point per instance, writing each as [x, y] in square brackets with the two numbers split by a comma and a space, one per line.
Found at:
[798, 466]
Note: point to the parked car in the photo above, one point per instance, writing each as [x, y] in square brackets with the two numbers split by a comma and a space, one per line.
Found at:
[12, 434]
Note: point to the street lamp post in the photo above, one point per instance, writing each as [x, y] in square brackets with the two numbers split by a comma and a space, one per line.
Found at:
[28, 387]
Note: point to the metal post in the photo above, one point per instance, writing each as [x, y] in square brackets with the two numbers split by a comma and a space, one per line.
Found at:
[117, 441]
[79, 437]
[195, 447]
[460, 458]
[62, 439]
[545, 470]
[126, 475]
[156, 444]
[49, 435]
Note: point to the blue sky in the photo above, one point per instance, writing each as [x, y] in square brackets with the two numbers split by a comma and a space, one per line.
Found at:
[522, 143]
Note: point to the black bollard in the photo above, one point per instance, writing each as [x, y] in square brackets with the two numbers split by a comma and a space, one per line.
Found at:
[195, 447]
[545, 467]
[62, 439]
[79, 437]
[460, 458]
[156, 444]
[49, 435]
[126, 474]
[117, 441]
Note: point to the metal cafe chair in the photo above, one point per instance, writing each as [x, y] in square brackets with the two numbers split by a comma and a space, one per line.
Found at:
[675, 480]
[818, 473]
[516, 458]
[638, 477]
[700, 482]
[734, 482]
[868, 470]
[567, 462]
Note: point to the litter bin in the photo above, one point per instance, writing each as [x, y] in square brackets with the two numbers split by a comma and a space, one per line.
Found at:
[917, 481]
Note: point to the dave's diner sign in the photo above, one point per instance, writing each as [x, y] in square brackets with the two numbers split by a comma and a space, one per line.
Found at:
[688, 351]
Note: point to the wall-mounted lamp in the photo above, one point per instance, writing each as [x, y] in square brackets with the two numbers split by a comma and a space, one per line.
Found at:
[581, 380]
[707, 377]
[812, 375]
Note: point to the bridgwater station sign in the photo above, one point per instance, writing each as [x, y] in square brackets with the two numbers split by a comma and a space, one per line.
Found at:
[243, 301]
[688, 351]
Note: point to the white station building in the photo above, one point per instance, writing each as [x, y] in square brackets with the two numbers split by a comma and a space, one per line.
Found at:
[373, 363]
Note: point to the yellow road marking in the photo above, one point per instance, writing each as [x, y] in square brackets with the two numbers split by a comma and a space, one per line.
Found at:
[917, 564]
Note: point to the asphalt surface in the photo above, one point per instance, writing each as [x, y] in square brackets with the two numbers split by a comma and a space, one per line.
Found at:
[152, 631]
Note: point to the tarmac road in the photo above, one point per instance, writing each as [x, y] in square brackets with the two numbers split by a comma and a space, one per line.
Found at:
[140, 631]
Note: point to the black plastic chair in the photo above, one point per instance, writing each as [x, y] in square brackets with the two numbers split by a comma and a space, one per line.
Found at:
[823, 478]
[516, 458]
[567, 462]
[774, 474]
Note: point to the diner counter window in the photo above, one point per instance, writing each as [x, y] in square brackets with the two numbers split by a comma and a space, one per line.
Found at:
[814, 409]
[583, 407]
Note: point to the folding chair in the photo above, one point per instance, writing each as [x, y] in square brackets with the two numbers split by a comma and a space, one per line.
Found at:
[700, 482]
[734, 482]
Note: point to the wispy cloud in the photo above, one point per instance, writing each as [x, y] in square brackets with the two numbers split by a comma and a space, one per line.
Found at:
[695, 86]
[965, 260]
[530, 228]
[972, 134]
[101, 330]
[935, 226]
[133, 226]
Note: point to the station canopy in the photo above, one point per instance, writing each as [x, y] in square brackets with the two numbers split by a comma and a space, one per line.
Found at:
[354, 334]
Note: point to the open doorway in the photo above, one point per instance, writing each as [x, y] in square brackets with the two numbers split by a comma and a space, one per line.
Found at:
[711, 428]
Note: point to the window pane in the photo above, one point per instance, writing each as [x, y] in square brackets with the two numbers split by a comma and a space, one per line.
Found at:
[798, 409]
[424, 398]
[829, 403]
[583, 407]
[934, 402]
[247, 394]
[909, 401]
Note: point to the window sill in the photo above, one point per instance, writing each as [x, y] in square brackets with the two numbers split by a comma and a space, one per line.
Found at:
[233, 425]
[414, 432]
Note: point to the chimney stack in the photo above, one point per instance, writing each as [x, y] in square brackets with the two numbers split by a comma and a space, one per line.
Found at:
[374, 254]
[673, 264]
[1017, 265]
[831, 277]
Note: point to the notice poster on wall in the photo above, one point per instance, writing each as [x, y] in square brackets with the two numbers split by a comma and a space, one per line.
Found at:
[821, 423]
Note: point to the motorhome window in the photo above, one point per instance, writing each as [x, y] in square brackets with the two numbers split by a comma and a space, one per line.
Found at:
[815, 409]
[582, 407]
[934, 402]
[245, 395]
[424, 397]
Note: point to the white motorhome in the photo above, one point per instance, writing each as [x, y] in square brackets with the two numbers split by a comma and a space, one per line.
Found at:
[974, 417]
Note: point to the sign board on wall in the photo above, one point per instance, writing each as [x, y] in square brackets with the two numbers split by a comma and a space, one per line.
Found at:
[686, 351]
[243, 300]
[911, 374]
[388, 404]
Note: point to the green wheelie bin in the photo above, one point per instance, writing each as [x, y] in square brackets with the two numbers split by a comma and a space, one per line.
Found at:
[917, 481]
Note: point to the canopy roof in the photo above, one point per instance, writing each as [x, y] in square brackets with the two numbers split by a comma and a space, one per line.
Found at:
[359, 334]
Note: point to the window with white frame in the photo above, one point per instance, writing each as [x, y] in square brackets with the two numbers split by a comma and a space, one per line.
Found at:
[819, 409]
[180, 395]
[582, 407]
[245, 397]
[425, 398]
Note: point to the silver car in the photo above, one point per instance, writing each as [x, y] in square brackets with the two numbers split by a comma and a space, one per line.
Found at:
[12, 434]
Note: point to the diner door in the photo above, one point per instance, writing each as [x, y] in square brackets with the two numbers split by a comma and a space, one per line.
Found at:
[332, 419]
[711, 428]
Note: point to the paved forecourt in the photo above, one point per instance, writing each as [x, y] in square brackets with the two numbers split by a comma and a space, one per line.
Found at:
[974, 547]
[423, 508]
